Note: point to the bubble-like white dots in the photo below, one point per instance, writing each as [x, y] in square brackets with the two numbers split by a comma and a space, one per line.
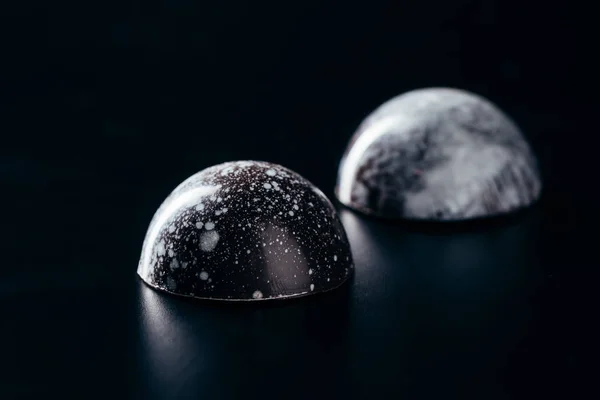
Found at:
[160, 248]
[209, 240]
[262, 233]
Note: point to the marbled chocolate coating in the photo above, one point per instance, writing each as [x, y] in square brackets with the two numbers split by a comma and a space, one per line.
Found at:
[438, 154]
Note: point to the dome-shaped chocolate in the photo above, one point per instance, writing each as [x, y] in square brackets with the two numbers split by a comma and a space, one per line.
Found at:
[438, 154]
[245, 230]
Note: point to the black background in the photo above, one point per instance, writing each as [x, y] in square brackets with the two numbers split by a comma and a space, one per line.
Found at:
[106, 106]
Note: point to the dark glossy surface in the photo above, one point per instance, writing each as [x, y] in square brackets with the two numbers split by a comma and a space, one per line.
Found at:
[484, 311]
[245, 230]
[107, 105]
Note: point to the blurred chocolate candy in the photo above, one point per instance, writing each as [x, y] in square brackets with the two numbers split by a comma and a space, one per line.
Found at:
[438, 154]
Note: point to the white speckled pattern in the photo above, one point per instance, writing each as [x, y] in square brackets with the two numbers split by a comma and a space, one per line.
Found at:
[245, 231]
[438, 154]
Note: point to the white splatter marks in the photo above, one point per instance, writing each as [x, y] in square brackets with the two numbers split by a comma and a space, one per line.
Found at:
[209, 240]
[334, 258]
[174, 264]
[271, 172]
[160, 248]
[280, 203]
[257, 295]
[227, 171]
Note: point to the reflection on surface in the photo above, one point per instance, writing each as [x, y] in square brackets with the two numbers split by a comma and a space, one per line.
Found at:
[192, 347]
[447, 292]
[429, 300]
[169, 345]
[449, 256]
[375, 267]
